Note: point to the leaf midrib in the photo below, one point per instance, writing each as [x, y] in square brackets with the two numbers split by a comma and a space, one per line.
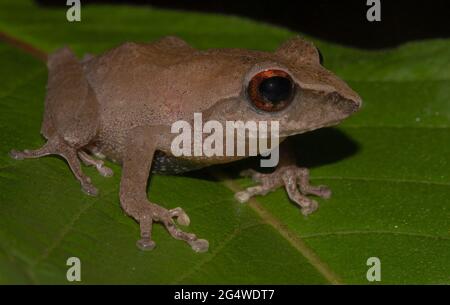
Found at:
[289, 235]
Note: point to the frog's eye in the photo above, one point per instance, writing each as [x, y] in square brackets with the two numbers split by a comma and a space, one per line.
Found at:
[271, 90]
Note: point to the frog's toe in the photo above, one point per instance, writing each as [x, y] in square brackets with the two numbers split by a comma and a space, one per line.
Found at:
[242, 196]
[181, 216]
[302, 175]
[310, 208]
[323, 191]
[16, 155]
[98, 164]
[105, 171]
[200, 245]
[35, 153]
[89, 189]
[146, 244]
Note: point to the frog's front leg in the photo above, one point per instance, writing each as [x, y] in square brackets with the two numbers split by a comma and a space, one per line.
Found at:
[137, 161]
[294, 179]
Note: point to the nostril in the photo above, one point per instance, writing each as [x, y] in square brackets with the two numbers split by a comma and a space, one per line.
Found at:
[351, 105]
[358, 103]
[348, 104]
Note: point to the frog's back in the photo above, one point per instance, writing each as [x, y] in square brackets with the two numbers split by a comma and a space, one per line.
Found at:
[129, 75]
[164, 80]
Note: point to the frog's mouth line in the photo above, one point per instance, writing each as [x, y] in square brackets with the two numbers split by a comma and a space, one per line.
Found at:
[286, 134]
[296, 132]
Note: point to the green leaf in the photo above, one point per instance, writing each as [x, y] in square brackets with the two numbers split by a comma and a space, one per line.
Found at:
[388, 167]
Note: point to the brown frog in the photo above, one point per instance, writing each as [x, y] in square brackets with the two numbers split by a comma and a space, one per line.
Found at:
[121, 105]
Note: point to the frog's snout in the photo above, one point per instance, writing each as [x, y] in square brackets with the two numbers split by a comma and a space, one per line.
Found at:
[351, 106]
[357, 101]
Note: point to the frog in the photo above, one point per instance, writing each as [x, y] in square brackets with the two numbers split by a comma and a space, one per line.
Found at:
[120, 105]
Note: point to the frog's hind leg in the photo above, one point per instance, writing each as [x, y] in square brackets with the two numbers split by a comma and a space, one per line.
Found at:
[55, 146]
[71, 115]
[98, 164]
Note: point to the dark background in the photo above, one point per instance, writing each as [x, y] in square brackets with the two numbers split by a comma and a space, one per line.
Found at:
[342, 21]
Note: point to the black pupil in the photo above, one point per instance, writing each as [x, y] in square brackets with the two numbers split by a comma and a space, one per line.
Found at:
[275, 89]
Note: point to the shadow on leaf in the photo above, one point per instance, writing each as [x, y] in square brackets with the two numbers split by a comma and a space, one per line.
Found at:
[313, 149]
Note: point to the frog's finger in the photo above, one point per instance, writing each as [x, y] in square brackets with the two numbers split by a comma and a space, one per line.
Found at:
[306, 188]
[182, 218]
[198, 245]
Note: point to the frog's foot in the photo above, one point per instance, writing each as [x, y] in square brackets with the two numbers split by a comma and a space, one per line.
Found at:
[98, 164]
[149, 213]
[55, 146]
[295, 181]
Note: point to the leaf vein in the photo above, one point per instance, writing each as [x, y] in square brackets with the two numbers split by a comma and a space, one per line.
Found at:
[355, 232]
[387, 180]
[213, 254]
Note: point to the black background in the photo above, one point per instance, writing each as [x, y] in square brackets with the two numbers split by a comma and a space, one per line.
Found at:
[342, 21]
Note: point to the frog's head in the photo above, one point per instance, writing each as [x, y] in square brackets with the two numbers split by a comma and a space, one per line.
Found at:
[292, 87]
